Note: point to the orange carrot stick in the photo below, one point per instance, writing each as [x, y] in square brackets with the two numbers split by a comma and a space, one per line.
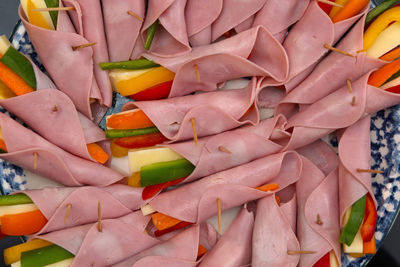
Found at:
[13, 81]
[380, 76]
[268, 187]
[131, 120]
[3, 145]
[26, 223]
[369, 247]
[351, 9]
[97, 153]
[162, 221]
[201, 251]
[392, 55]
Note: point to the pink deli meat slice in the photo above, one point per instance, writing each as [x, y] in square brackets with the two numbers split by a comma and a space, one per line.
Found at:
[183, 246]
[229, 149]
[173, 116]
[91, 247]
[338, 110]
[305, 41]
[332, 72]
[62, 126]
[354, 153]
[78, 64]
[234, 187]
[29, 150]
[254, 52]
[81, 204]
[277, 16]
[170, 39]
[122, 29]
[318, 213]
[234, 247]
[273, 236]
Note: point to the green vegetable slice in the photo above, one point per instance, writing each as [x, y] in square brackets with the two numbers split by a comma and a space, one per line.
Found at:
[126, 133]
[151, 31]
[350, 230]
[44, 256]
[162, 172]
[53, 14]
[17, 199]
[382, 7]
[136, 64]
[394, 76]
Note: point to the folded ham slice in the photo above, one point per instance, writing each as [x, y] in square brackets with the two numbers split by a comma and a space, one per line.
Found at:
[254, 52]
[75, 75]
[273, 234]
[122, 29]
[173, 116]
[332, 72]
[234, 247]
[118, 239]
[338, 110]
[230, 149]
[234, 187]
[29, 150]
[181, 247]
[318, 213]
[62, 126]
[305, 42]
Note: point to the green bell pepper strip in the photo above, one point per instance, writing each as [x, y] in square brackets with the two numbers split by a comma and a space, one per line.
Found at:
[394, 76]
[2, 151]
[53, 14]
[356, 218]
[17, 199]
[151, 31]
[44, 256]
[382, 7]
[20, 65]
[162, 172]
[126, 133]
[137, 64]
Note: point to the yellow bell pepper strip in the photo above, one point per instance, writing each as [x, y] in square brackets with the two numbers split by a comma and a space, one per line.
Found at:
[134, 119]
[350, 230]
[392, 55]
[336, 9]
[381, 76]
[352, 8]
[39, 19]
[44, 256]
[151, 31]
[386, 41]
[144, 81]
[379, 25]
[118, 151]
[137, 64]
[13, 254]
[379, 9]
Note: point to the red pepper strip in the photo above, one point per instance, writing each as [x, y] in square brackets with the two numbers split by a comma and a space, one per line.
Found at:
[325, 7]
[139, 141]
[151, 190]
[173, 228]
[369, 224]
[325, 261]
[394, 89]
[159, 91]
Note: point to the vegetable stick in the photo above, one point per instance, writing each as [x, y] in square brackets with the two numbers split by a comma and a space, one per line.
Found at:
[26, 223]
[352, 8]
[135, 119]
[392, 55]
[369, 247]
[13, 254]
[268, 187]
[162, 221]
[379, 77]
[13, 81]
[97, 153]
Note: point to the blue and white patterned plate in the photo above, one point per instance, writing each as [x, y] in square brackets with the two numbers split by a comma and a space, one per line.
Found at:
[385, 155]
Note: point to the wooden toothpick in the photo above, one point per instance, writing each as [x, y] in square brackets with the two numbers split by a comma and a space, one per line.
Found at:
[334, 49]
[349, 86]
[82, 46]
[370, 171]
[330, 3]
[55, 108]
[136, 16]
[319, 221]
[295, 252]
[353, 101]
[99, 226]
[224, 149]
[194, 131]
[67, 8]
[196, 70]
[219, 214]
[35, 158]
[67, 212]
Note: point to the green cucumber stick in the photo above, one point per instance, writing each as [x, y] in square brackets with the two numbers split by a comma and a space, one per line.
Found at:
[162, 172]
[350, 230]
[382, 7]
[17, 199]
[53, 14]
[151, 31]
[44, 256]
[394, 76]
[137, 64]
[133, 132]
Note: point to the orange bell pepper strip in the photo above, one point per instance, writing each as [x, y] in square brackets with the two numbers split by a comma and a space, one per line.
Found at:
[171, 229]
[369, 224]
[162, 221]
[26, 223]
[201, 251]
[131, 120]
[379, 77]
[268, 187]
[352, 8]
[13, 81]
[392, 55]
[3, 145]
[97, 153]
[369, 247]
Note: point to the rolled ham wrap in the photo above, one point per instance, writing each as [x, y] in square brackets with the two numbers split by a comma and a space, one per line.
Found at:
[254, 52]
[78, 64]
[234, 247]
[173, 117]
[236, 186]
[122, 29]
[338, 110]
[28, 150]
[62, 126]
[91, 246]
[305, 42]
[180, 250]
[332, 72]
[66, 207]
[273, 235]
